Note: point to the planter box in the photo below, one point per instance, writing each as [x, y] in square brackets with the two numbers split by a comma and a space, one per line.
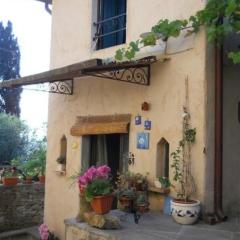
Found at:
[102, 204]
[10, 181]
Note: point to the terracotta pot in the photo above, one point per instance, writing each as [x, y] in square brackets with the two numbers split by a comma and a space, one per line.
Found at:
[10, 181]
[185, 212]
[102, 204]
[28, 180]
[41, 179]
[138, 186]
[143, 208]
[124, 200]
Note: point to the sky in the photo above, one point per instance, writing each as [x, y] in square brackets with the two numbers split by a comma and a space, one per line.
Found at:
[32, 27]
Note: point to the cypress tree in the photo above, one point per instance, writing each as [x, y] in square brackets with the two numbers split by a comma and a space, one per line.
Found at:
[9, 69]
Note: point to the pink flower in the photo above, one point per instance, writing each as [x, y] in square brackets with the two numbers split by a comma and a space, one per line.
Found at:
[103, 171]
[43, 231]
[82, 181]
[93, 173]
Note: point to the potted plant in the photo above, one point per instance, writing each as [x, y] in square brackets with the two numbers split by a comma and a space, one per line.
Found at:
[61, 163]
[28, 177]
[96, 185]
[142, 203]
[184, 209]
[42, 167]
[28, 171]
[140, 182]
[126, 199]
[162, 182]
[10, 177]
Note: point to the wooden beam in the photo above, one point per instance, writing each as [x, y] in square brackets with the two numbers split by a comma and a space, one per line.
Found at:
[54, 75]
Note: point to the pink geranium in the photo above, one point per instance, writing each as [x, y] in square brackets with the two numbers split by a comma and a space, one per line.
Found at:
[43, 231]
[93, 173]
[103, 171]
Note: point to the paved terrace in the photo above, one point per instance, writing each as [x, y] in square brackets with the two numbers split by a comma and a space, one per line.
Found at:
[156, 226]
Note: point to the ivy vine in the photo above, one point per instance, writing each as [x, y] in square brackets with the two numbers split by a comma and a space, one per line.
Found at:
[220, 17]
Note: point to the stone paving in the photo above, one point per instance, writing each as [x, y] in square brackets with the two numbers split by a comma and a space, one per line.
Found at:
[156, 226]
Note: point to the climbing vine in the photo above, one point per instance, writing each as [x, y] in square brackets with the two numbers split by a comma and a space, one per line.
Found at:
[220, 17]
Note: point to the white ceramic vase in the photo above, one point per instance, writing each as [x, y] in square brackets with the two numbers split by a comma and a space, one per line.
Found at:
[185, 213]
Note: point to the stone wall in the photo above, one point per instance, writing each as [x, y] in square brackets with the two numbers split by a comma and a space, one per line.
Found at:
[21, 206]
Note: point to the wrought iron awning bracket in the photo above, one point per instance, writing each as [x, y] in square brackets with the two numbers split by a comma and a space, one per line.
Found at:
[139, 73]
[61, 87]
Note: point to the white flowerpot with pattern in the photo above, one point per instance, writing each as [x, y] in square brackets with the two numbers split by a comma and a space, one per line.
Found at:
[185, 213]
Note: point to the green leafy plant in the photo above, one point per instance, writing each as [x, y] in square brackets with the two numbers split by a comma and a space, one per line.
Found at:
[181, 161]
[126, 192]
[165, 182]
[142, 199]
[98, 187]
[9, 174]
[211, 17]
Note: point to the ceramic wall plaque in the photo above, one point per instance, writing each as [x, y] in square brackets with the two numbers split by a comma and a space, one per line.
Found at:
[143, 140]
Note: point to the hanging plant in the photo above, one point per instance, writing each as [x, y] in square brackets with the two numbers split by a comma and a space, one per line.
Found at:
[220, 17]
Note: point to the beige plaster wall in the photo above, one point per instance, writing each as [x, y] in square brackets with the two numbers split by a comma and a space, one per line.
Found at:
[71, 42]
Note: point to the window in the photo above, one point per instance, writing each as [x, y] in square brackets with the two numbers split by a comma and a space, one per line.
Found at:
[110, 149]
[162, 158]
[111, 23]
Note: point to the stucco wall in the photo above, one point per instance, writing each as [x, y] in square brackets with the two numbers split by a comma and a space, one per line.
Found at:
[71, 42]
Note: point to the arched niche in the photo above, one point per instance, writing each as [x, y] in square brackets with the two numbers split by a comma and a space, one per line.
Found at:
[63, 146]
[162, 164]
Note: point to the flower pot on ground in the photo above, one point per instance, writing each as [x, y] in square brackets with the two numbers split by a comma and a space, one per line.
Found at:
[185, 212]
[184, 209]
[97, 188]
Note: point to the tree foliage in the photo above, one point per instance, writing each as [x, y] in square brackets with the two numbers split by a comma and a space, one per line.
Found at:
[13, 138]
[9, 69]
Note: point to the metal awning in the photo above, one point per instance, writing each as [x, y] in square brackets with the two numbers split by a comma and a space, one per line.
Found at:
[61, 79]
